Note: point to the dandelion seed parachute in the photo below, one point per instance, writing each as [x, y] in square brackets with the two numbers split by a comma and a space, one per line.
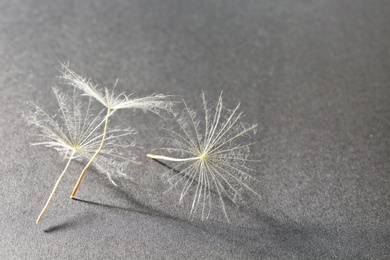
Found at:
[210, 155]
[154, 103]
[75, 133]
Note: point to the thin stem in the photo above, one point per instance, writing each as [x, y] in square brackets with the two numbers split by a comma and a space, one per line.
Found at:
[161, 157]
[54, 189]
[94, 156]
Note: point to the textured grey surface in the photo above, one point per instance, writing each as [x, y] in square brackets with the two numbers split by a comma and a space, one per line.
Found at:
[314, 74]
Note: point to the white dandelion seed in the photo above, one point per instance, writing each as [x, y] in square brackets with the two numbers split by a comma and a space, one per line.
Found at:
[76, 134]
[210, 155]
[113, 102]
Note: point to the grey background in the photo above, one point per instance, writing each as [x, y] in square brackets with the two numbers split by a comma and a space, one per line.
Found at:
[315, 75]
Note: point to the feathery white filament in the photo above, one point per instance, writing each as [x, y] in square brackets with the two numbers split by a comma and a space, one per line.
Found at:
[209, 155]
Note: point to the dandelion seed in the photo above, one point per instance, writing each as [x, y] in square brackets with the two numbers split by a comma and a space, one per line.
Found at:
[78, 135]
[154, 103]
[112, 101]
[209, 154]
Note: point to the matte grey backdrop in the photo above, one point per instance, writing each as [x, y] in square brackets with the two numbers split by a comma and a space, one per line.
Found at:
[315, 75]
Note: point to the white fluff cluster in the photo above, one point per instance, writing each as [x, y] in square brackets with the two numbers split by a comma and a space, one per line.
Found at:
[209, 147]
[210, 155]
[80, 134]
[154, 103]
[77, 130]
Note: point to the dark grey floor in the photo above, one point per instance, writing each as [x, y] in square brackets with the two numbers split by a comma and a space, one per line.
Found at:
[315, 75]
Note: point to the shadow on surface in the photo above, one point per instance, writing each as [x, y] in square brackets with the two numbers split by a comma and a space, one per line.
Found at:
[78, 220]
[166, 166]
[133, 204]
[274, 237]
[303, 240]
[268, 236]
[145, 210]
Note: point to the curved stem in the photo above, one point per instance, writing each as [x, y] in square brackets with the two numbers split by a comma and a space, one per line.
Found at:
[161, 157]
[93, 157]
[54, 189]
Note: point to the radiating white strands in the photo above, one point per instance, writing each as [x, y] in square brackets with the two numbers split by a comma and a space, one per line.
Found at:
[211, 156]
[75, 133]
[154, 103]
